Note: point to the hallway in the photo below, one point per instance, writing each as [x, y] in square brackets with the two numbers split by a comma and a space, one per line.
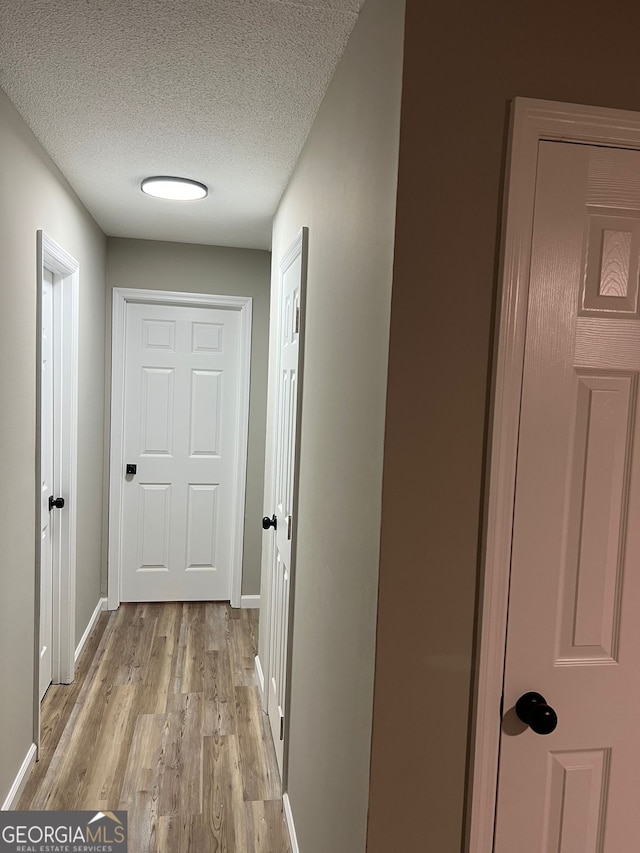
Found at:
[164, 720]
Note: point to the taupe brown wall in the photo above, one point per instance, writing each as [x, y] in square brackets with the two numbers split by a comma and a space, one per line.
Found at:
[186, 267]
[463, 64]
[343, 188]
[34, 195]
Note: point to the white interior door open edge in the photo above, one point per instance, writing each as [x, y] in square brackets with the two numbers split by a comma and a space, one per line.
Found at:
[122, 298]
[53, 257]
[282, 483]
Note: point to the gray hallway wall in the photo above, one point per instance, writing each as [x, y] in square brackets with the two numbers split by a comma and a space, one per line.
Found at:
[343, 188]
[34, 195]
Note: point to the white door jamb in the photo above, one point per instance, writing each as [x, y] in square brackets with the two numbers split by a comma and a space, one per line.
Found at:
[52, 257]
[122, 296]
[532, 121]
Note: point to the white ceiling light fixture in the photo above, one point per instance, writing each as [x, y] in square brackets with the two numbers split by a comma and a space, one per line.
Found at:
[174, 189]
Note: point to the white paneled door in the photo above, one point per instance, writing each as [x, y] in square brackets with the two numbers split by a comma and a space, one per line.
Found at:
[574, 609]
[289, 328]
[181, 428]
[47, 466]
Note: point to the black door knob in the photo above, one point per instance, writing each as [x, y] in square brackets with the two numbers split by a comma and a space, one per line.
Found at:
[270, 522]
[533, 710]
[131, 469]
[58, 503]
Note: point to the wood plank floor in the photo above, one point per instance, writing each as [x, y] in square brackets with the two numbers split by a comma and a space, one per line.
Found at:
[164, 720]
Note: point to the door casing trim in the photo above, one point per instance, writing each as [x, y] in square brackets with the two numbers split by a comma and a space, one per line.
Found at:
[53, 257]
[121, 297]
[531, 122]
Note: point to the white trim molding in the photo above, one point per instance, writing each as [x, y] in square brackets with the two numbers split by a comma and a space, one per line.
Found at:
[100, 606]
[121, 297]
[259, 674]
[532, 121]
[249, 601]
[288, 816]
[21, 779]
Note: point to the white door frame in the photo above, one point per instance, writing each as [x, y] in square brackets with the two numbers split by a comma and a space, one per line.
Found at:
[121, 297]
[532, 121]
[66, 269]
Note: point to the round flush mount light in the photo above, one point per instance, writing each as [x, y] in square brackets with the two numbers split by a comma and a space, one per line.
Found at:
[174, 189]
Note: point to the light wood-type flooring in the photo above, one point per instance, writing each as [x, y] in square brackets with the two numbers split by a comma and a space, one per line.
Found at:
[164, 720]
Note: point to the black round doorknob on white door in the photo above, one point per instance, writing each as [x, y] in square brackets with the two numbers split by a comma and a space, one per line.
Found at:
[270, 522]
[532, 709]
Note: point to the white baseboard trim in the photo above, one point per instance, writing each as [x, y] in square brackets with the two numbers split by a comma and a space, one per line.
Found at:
[260, 674]
[21, 780]
[288, 816]
[249, 601]
[100, 606]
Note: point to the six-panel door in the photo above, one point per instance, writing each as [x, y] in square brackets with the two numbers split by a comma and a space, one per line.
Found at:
[181, 433]
[574, 607]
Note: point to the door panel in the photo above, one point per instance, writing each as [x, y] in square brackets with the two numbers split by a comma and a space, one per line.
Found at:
[574, 606]
[157, 411]
[596, 513]
[180, 422]
[205, 412]
[154, 526]
[202, 524]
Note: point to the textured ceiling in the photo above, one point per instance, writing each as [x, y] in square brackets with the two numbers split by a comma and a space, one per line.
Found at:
[224, 91]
